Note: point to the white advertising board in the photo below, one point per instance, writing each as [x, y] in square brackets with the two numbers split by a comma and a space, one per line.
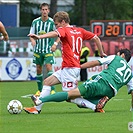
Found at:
[17, 69]
[22, 69]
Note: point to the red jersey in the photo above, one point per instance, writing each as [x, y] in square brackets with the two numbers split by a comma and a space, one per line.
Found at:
[72, 39]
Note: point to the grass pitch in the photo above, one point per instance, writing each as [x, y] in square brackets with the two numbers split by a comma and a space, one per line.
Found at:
[62, 117]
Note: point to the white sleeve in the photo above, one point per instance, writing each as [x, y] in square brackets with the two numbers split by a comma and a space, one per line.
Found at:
[54, 28]
[130, 86]
[106, 60]
[32, 29]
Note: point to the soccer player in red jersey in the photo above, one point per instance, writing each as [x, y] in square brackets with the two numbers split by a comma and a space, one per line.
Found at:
[71, 39]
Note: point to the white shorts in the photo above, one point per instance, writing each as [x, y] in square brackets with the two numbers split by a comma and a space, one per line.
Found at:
[68, 78]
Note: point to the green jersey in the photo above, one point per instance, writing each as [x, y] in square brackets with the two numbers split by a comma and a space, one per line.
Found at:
[39, 27]
[118, 72]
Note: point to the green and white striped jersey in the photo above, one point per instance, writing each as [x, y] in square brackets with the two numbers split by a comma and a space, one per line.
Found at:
[118, 72]
[39, 27]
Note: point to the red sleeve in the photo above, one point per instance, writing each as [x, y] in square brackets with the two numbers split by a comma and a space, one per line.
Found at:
[87, 35]
[61, 32]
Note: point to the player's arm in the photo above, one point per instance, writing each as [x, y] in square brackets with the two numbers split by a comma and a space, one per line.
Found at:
[33, 41]
[90, 64]
[53, 48]
[32, 31]
[3, 31]
[51, 34]
[99, 45]
[106, 60]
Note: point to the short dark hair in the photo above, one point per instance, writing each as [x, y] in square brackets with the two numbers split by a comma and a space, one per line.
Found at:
[44, 4]
[127, 54]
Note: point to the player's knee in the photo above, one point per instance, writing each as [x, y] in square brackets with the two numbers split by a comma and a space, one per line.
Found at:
[73, 94]
[39, 69]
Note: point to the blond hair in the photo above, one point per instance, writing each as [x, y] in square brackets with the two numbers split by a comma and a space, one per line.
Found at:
[59, 16]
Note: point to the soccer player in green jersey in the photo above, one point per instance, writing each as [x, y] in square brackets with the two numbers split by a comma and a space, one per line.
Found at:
[42, 47]
[101, 87]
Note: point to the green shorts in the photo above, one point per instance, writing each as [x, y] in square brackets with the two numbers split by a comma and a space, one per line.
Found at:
[42, 58]
[95, 88]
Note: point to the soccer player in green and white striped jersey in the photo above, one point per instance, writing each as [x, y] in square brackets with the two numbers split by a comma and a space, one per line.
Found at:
[42, 47]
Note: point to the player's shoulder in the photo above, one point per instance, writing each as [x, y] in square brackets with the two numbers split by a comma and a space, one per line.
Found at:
[74, 28]
[69, 28]
[79, 28]
[36, 20]
[115, 58]
[106, 59]
[50, 20]
[110, 57]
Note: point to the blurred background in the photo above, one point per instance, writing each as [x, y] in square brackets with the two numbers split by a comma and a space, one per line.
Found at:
[17, 16]
[111, 20]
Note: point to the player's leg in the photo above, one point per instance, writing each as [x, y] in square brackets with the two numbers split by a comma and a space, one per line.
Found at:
[49, 60]
[102, 102]
[98, 90]
[39, 77]
[48, 82]
[83, 74]
[49, 73]
[83, 103]
[88, 104]
[108, 94]
[102, 97]
[57, 97]
[70, 76]
[38, 60]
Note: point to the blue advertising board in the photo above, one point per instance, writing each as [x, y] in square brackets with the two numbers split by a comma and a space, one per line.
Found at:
[8, 14]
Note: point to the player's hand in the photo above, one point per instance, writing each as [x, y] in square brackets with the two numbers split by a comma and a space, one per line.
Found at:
[1, 38]
[53, 48]
[34, 36]
[103, 55]
[5, 38]
[33, 43]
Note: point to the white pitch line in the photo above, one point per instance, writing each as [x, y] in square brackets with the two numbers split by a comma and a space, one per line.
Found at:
[120, 99]
[27, 96]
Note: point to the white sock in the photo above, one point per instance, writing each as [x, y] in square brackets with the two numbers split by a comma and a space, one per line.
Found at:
[45, 92]
[39, 107]
[84, 102]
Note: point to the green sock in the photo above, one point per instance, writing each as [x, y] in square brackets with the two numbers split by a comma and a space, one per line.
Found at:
[57, 97]
[52, 88]
[39, 79]
[48, 74]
